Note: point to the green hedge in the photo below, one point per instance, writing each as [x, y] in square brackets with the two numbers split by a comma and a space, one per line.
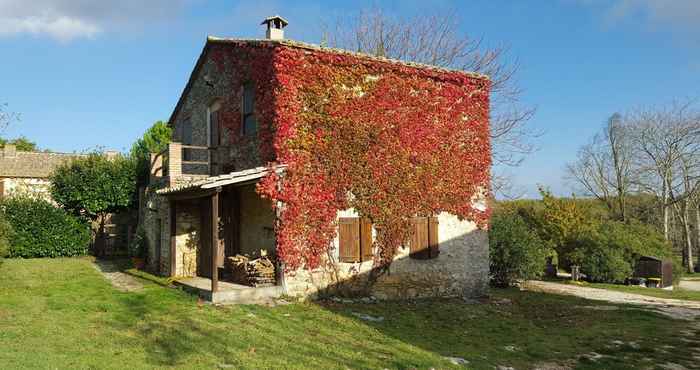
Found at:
[516, 251]
[6, 233]
[43, 230]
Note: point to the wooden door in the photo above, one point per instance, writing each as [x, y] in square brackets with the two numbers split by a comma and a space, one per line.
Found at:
[159, 247]
[204, 252]
[230, 222]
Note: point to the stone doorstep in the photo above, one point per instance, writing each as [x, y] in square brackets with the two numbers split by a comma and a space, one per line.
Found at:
[229, 293]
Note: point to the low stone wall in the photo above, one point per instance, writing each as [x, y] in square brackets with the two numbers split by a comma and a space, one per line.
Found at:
[461, 269]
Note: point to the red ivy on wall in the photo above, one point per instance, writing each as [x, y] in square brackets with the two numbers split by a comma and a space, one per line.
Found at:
[389, 140]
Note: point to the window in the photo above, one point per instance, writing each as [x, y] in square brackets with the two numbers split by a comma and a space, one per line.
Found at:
[186, 139]
[250, 126]
[214, 126]
[355, 239]
[424, 243]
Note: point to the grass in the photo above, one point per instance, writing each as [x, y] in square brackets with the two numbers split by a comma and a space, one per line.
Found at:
[61, 313]
[676, 293]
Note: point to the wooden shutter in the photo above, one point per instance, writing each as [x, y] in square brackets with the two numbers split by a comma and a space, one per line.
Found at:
[433, 240]
[349, 239]
[419, 238]
[366, 239]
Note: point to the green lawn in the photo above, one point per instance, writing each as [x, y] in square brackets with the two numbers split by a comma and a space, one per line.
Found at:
[63, 314]
[676, 293]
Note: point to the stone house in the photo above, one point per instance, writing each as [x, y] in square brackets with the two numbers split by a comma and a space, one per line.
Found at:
[28, 173]
[202, 205]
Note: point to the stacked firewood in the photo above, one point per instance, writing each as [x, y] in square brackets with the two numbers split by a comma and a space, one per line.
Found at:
[253, 272]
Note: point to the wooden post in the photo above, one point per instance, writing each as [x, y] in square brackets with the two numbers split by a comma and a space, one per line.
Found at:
[173, 239]
[214, 242]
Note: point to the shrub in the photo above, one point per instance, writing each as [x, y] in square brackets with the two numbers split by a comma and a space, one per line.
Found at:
[138, 246]
[517, 253]
[599, 260]
[610, 253]
[42, 230]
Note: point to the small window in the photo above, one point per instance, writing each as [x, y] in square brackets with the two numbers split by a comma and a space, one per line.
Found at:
[249, 126]
[186, 139]
[424, 242]
[355, 239]
[214, 125]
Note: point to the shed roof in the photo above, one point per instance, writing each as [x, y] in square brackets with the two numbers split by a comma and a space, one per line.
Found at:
[31, 164]
[237, 177]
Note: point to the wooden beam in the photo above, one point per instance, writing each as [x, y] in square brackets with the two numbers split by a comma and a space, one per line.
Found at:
[173, 239]
[191, 194]
[215, 242]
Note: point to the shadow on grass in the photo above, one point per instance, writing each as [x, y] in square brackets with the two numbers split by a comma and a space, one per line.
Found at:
[176, 329]
[512, 328]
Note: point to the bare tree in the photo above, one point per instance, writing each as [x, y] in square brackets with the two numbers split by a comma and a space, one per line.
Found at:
[6, 117]
[668, 142]
[603, 167]
[435, 39]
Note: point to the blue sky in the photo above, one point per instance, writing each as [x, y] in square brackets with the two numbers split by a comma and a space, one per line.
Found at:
[86, 74]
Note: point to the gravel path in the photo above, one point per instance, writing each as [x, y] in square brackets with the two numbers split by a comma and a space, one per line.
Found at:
[676, 308]
[120, 280]
[690, 285]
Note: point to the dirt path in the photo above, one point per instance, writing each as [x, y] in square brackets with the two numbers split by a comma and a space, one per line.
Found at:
[120, 280]
[675, 308]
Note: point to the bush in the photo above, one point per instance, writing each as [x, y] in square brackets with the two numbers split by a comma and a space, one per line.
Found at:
[516, 252]
[42, 230]
[599, 260]
[138, 247]
[610, 253]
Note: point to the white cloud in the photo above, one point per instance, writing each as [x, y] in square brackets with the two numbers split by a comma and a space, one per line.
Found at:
[61, 28]
[674, 15]
[66, 20]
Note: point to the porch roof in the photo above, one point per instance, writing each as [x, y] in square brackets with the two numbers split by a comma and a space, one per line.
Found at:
[237, 177]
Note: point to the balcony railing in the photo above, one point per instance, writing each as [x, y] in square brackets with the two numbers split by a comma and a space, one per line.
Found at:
[179, 160]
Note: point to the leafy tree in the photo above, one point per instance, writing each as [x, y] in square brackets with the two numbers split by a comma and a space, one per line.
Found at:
[563, 222]
[95, 186]
[154, 140]
[22, 143]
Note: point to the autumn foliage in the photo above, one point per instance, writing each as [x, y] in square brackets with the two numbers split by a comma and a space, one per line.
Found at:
[387, 139]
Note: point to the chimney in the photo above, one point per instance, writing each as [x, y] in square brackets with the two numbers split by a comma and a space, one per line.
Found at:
[9, 151]
[275, 27]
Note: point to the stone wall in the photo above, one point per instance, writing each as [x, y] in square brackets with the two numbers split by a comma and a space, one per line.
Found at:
[461, 269]
[257, 222]
[188, 220]
[34, 187]
[155, 220]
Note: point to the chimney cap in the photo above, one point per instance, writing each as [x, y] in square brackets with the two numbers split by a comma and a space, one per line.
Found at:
[270, 21]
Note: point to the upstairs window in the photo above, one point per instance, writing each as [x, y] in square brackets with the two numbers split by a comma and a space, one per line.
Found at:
[186, 139]
[214, 125]
[250, 126]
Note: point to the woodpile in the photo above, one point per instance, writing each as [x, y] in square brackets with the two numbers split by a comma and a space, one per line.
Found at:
[253, 272]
